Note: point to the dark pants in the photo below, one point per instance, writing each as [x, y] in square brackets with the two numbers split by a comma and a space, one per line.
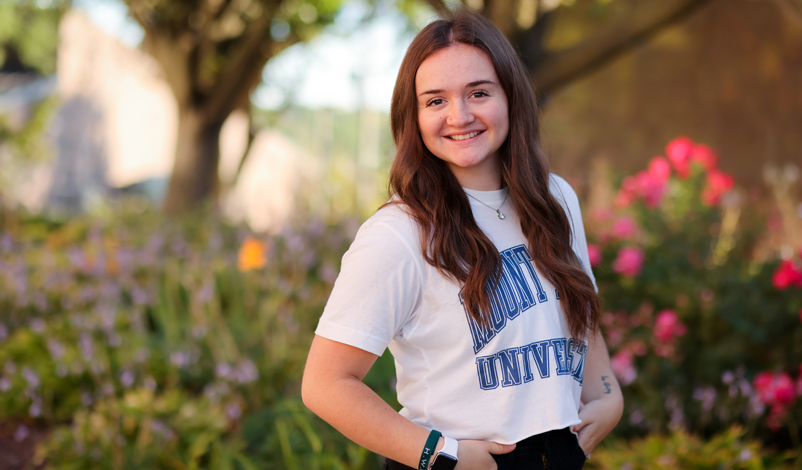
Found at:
[553, 450]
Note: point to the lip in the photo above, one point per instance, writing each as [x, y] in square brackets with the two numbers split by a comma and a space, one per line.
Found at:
[480, 132]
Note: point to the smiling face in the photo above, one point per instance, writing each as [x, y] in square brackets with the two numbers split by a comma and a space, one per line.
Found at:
[463, 114]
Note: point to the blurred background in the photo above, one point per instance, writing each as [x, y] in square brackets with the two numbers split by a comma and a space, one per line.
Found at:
[179, 180]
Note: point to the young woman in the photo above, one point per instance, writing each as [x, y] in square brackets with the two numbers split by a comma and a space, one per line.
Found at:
[475, 275]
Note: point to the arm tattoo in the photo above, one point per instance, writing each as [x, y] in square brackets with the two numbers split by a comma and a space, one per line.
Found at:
[606, 384]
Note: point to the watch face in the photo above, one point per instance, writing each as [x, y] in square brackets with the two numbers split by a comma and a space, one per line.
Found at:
[444, 462]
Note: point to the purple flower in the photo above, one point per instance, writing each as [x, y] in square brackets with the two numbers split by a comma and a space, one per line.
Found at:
[107, 316]
[38, 325]
[727, 377]
[36, 409]
[3, 332]
[215, 242]
[109, 291]
[56, 349]
[125, 258]
[223, 370]
[127, 378]
[707, 396]
[162, 429]
[246, 372]
[10, 367]
[40, 300]
[142, 354]
[150, 383]
[30, 376]
[76, 257]
[180, 359]
[140, 297]
[636, 418]
[233, 411]
[87, 348]
[328, 273]
[295, 243]
[6, 242]
[206, 292]
[5, 384]
[21, 433]
[199, 331]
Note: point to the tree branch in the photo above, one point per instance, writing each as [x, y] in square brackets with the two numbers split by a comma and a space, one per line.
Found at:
[440, 7]
[246, 60]
[556, 69]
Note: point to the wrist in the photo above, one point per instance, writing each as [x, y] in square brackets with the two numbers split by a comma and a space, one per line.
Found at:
[445, 457]
[440, 443]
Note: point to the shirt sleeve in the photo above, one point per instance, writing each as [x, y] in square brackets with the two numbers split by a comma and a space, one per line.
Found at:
[566, 195]
[376, 292]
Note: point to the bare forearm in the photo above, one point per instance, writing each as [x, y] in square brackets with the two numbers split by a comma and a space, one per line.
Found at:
[600, 382]
[361, 415]
[333, 389]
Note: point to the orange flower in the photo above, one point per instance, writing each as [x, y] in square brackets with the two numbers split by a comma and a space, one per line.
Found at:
[252, 255]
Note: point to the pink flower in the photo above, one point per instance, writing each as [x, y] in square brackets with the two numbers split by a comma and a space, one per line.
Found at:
[629, 261]
[623, 367]
[679, 152]
[776, 417]
[774, 388]
[667, 326]
[624, 228]
[594, 254]
[659, 169]
[718, 183]
[704, 155]
[787, 275]
[642, 185]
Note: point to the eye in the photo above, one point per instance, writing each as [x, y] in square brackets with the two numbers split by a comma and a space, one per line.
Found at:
[434, 102]
[479, 94]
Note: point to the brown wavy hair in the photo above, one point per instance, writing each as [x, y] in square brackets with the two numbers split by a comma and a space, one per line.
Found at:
[451, 241]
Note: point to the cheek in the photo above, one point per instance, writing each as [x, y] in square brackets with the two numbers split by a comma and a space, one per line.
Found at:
[429, 127]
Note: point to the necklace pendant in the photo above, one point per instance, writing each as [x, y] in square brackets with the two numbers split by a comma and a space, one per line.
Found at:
[500, 215]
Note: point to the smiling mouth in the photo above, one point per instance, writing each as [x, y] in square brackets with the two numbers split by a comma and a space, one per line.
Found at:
[464, 136]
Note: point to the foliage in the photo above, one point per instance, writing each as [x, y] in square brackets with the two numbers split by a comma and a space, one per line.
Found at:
[694, 318]
[128, 330]
[31, 31]
[151, 342]
[680, 450]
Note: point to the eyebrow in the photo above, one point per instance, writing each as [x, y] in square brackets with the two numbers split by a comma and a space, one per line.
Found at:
[469, 85]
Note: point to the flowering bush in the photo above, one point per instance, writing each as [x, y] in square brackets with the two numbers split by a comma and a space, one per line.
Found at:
[142, 342]
[679, 450]
[702, 335]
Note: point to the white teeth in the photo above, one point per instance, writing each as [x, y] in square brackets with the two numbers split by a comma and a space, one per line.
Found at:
[465, 136]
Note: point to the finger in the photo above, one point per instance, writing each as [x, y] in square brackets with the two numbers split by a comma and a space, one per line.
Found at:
[579, 426]
[496, 448]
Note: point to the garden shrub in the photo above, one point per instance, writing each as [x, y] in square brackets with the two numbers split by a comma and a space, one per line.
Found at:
[703, 335]
[148, 342]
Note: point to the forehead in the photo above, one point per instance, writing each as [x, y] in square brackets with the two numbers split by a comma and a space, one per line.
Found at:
[453, 68]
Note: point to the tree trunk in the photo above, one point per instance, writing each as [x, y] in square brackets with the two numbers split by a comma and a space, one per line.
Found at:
[194, 177]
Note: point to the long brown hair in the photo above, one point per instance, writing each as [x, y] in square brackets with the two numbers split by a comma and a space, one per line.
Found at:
[451, 241]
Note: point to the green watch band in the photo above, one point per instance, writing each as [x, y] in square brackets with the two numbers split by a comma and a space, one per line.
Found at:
[428, 449]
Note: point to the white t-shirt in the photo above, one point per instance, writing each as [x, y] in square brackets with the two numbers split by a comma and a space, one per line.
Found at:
[519, 378]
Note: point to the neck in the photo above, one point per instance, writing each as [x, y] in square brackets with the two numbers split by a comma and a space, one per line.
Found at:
[486, 178]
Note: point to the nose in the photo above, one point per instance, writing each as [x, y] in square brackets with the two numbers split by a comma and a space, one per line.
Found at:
[459, 115]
